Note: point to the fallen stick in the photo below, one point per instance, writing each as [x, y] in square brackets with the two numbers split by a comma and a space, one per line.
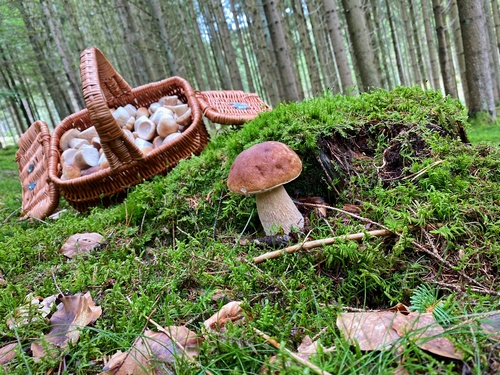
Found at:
[296, 357]
[318, 243]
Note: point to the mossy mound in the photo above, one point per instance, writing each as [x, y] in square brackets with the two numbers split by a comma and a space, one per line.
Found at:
[348, 144]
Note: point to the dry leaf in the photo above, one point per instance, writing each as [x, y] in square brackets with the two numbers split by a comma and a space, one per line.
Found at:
[491, 325]
[231, 311]
[80, 243]
[7, 353]
[372, 330]
[307, 347]
[34, 309]
[427, 334]
[151, 353]
[74, 312]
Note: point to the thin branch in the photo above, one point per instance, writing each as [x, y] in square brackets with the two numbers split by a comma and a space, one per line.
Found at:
[318, 243]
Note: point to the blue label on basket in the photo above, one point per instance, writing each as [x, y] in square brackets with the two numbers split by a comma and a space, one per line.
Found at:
[240, 105]
[31, 168]
[32, 185]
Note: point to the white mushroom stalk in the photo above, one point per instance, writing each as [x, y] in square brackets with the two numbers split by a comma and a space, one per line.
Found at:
[277, 211]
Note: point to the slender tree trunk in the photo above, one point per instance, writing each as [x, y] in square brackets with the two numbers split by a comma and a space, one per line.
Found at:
[227, 46]
[457, 34]
[416, 41]
[327, 64]
[494, 60]
[157, 16]
[399, 60]
[338, 44]
[242, 47]
[414, 75]
[444, 52]
[266, 62]
[363, 51]
[430, 42]
[308, 48]
[291, 93]
[68, 71]
[51, 79]
[479, 81]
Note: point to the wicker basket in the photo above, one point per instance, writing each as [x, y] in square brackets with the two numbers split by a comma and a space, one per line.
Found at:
[39, 155]
[40, 196]
[230, 107]
[104, 88]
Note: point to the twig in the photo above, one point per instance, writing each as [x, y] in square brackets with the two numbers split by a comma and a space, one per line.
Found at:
[344, 212]
[318, 243]
[12, 213]
[300, 360]
[55, 283]
[413, 176]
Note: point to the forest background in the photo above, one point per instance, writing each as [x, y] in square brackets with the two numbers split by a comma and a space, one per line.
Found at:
[284, 51]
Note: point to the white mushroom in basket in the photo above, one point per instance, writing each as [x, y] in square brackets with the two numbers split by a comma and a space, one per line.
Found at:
[70, 171]
[87, 157]
[262, 170]
[167, 125]
[145, 128]
[88, 134]
[121, 116]
[67, 137]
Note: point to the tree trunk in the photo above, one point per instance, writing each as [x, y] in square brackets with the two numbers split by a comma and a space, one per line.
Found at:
[59, 40]
[157, 16]
[399, 60]
[338, 44]
[326, 60]
[308, 49]
[227, 46]
[270, 79]
[416, 29]
[479, 81]
[494, 61]
[413, 75]
[242, 47]
[445, 61]
[291, 93]
[457, 34]
[431, 48]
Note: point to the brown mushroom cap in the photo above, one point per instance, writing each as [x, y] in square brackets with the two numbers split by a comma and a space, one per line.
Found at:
[263, 167]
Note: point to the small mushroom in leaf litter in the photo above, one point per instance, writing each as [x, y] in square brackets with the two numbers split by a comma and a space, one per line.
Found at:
[262, 170]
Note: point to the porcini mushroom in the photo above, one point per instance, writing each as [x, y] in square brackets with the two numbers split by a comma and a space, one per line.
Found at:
[262, 170]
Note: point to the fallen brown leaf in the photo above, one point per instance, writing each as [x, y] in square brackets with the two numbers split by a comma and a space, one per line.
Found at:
[7, 353]
[152, 352]
[74, 312]
[491, 325]
[231, 311]
[80, 243]
[372, 330]
[426, 333]
[379, 330]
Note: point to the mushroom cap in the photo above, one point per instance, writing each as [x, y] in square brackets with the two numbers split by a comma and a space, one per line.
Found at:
[263, 167]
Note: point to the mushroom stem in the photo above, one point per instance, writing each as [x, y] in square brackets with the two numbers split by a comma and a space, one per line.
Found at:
[277, 210]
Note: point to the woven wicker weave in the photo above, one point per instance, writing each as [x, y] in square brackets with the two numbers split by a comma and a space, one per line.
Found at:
[230, 107]
[104, 88]
[40, 196]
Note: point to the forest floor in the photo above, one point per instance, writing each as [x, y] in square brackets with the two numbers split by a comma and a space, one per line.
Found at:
[178, 267]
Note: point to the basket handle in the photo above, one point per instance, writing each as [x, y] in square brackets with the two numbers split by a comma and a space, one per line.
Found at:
[102, 88]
